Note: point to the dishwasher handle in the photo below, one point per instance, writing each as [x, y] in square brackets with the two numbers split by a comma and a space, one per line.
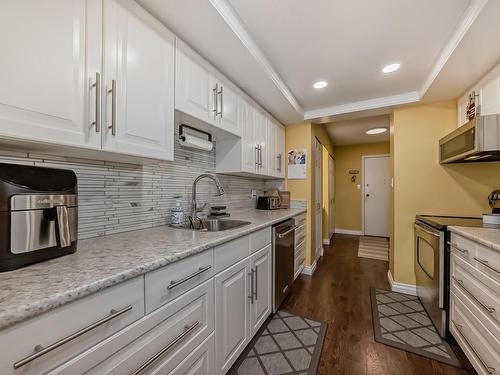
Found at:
[290, 229]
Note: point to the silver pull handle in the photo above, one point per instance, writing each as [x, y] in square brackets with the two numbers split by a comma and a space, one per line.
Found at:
[252, 292]
[260, 156]
[40, 350]
[489, 369]
[112, 90]
[150, 361]
[97, 85]
[216, 100]
[279, 162]
[200, 270]
[256, 282]
[283, 234]
[485, 263]
[419, 227]
[463, 251]
[460, 283]
[221, 93]
[62, 224]
[257, 155]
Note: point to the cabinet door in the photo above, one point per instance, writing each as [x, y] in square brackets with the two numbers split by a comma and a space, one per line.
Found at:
[199, 362]
[228, 109]
[139, 58]
[280, 150]
[272, 160]
[51, 52]
[193, 91]
[261, 135]
[490, 97]
[246, 117]
[261, 263]
[231, 311]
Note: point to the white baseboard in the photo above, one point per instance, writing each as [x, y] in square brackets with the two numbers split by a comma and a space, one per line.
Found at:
[400, 287]
[309, 270]
[326, 241]
[349, 231]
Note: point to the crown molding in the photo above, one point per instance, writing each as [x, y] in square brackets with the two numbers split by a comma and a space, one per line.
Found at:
[234, 22]
[468, 18]
[364, 105]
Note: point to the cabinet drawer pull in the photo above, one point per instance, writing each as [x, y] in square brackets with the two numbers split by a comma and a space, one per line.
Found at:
[112, 90]
[221, 93]
[252, 292]
[257, 155]
[40, 350]
[460, 283]
[97, 85]
[279, 162]
[485, 263]
[256, 282]
[174, 283]
[463, 251]
[216, 99]
[150, 361]
[490, 370]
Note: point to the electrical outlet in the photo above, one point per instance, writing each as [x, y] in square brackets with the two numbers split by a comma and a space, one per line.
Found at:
[253, 194]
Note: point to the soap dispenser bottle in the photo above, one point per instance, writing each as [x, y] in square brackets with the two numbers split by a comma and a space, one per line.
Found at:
[177, 214]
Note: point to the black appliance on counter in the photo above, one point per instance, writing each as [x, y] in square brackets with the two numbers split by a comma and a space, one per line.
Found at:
[268, 203]
[38, 214]
[432, 264]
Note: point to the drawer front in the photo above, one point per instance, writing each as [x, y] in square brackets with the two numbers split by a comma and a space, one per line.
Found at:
[481, 289]
[300, 219]
[173, 332]
[299, 265]
[300, 250]
[87, 321]
[488, 261]
[478, 344]
[200, 362]
[300, 234]
[169, 282]
[462, 247]
[231, 252]
[260, 239]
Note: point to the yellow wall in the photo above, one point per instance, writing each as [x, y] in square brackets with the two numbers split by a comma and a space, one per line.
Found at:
[423, 186]
[301, 136]
[348, 197]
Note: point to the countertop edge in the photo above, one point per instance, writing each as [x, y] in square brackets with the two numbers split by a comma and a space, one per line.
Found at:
[28, 311]
[465, 232]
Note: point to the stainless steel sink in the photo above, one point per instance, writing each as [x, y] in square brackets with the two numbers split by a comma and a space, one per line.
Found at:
[215, 225]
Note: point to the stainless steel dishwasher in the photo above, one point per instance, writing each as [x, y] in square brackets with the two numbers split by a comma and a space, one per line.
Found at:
[283, 260]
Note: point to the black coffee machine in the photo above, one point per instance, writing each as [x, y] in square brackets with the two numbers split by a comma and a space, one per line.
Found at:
[38, 214]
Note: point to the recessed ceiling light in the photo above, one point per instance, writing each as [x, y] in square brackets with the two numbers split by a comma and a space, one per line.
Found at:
[320, 84]
[376, 131]
[391, 68]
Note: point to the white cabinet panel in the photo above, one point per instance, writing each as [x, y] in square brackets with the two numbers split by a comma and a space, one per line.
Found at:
[51, 52]
[248, 143]
[490, 97]
[139, 58]
[261, 139]
[261, 262]
[228, 109]
[231, 311]
[200, 362]
[280, 150]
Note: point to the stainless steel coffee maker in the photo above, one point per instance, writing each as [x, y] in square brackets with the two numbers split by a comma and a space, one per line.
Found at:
[38, 214]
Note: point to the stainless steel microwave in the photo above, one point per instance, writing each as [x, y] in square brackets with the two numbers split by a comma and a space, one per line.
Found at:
[476, 141]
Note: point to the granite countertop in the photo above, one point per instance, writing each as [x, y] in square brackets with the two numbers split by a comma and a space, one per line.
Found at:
[487, 236]
[104, 261]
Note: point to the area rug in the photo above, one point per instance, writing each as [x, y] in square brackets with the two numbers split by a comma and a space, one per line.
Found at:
[373, 248]
[400, 321]
[286, 344]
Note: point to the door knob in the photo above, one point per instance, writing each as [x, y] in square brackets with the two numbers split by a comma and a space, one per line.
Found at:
[367, 195]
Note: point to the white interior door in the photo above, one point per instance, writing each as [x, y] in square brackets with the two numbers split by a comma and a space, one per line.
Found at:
[144, 75]
[318, 198]
[331, 195]
[376, 195]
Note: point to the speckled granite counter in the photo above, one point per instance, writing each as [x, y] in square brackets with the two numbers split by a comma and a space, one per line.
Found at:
[486, 236]
[105, 261]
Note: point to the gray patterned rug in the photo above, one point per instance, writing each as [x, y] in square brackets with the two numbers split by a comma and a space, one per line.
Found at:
[400, 321]
[286, 344]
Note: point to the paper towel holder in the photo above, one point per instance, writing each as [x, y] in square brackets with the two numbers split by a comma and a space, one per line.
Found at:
[181, 132]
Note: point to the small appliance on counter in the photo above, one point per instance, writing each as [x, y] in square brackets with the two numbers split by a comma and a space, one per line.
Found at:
[493, 220]
[268, 203]
[38, 214]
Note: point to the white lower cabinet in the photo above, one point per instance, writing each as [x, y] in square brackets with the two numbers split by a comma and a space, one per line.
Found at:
[261, 264]
[201, 361]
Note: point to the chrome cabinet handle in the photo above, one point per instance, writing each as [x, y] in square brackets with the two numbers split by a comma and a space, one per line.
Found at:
[257, 155]
[260, 156]
[221, 93]
[150, 361]
[463, 251]
[460, 283]
[97, 85]
[256, 282]
[112, 90]
[281, 235]
[252, 292]
[40, 350]
[279, 162]
[216, 100]
[485, 263]
[175, 283]
[489, 369]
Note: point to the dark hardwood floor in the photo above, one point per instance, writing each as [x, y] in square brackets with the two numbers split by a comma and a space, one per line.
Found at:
[338, 293]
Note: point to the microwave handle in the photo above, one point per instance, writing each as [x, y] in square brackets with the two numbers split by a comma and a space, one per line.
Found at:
[62, 226]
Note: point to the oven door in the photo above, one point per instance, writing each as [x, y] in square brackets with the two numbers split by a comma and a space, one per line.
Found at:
[429, 272]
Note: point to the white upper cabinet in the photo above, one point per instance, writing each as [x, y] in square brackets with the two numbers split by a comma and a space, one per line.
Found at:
[51, 53]
[138, 82]
[246, 116]
[227, 101]
[280, 152]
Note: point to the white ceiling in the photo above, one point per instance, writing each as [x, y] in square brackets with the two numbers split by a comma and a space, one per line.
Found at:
[352, 131]
[274, 50]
